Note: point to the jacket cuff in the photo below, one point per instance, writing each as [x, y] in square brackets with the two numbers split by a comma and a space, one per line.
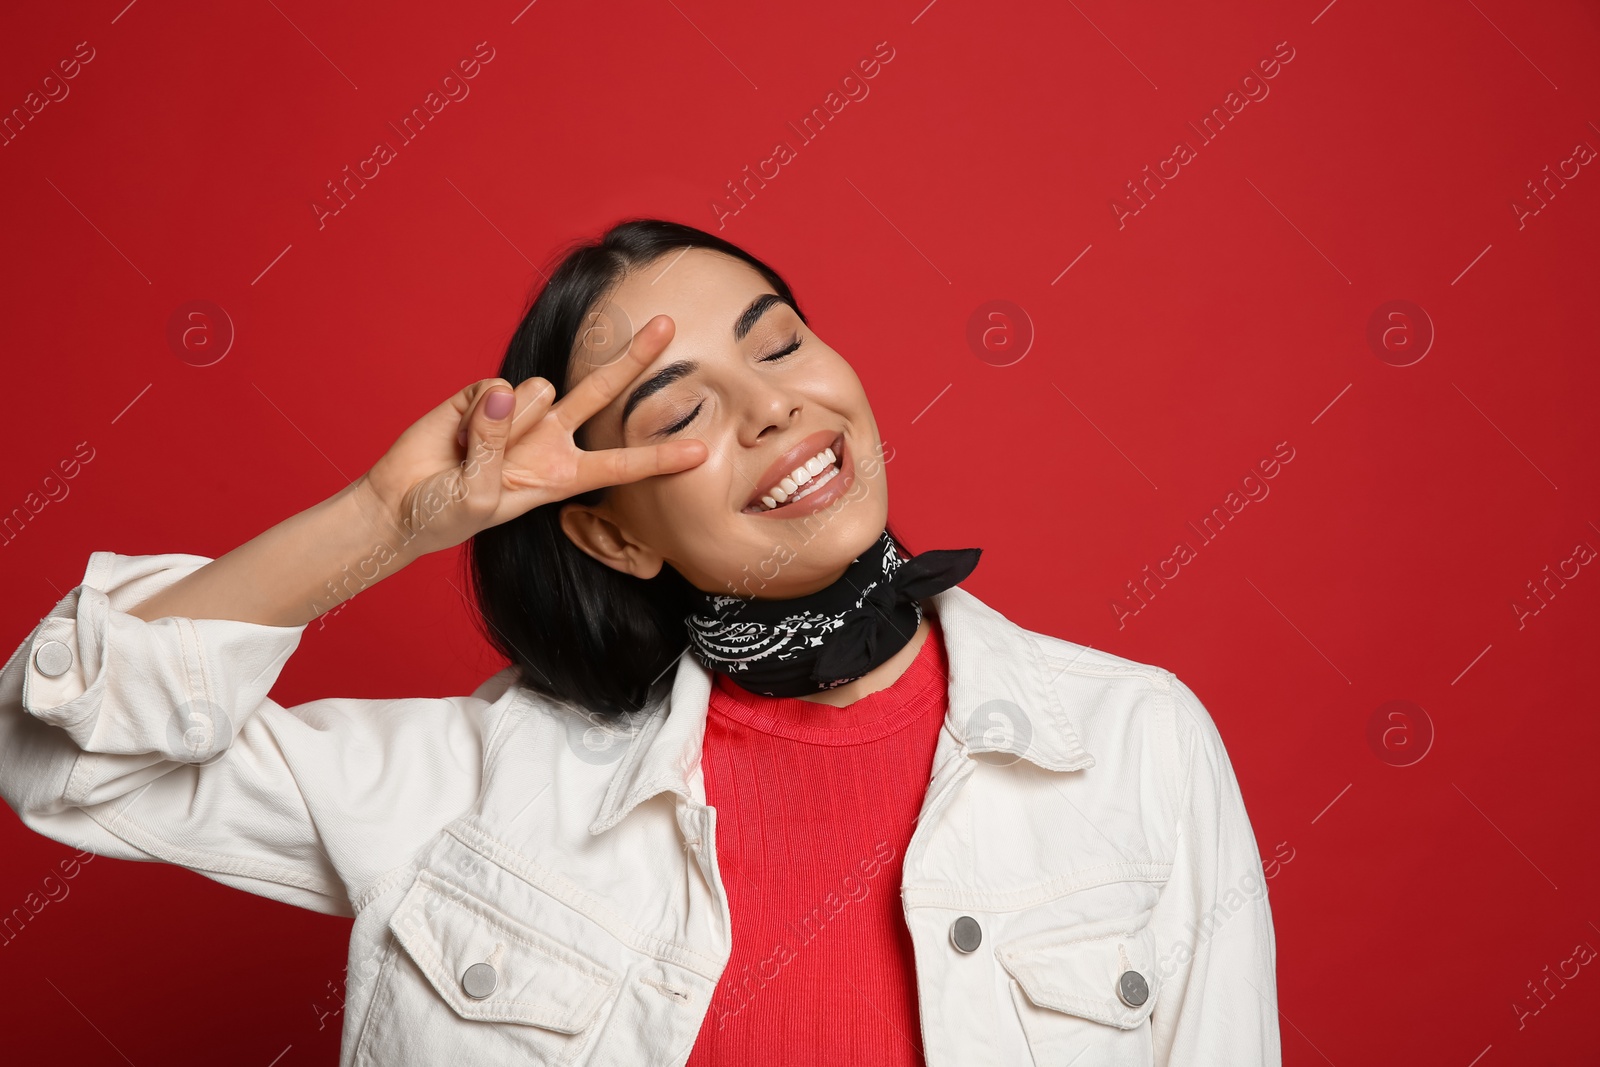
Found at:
[116, 683]
[62, 659]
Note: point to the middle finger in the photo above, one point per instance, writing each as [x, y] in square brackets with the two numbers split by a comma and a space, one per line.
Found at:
[599, 387]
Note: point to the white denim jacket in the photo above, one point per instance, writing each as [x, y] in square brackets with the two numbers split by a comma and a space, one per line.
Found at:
[529, 886]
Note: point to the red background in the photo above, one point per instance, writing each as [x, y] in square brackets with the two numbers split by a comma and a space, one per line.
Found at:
[1413, 903]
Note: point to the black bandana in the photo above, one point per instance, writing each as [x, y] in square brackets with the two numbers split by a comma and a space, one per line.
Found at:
[787, 648]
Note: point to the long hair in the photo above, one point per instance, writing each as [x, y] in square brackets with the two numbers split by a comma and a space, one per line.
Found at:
[577, 630]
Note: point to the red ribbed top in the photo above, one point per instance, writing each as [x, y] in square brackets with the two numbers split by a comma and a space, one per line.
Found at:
[815, 806]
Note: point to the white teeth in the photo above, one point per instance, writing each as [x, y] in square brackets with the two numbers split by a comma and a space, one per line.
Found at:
[803, 480]
[817, 484]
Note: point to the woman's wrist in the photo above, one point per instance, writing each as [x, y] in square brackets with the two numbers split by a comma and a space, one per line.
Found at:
[385, 535]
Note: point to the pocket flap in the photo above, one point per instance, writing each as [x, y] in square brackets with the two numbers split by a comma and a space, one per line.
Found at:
[529, 977]
[1083, 970]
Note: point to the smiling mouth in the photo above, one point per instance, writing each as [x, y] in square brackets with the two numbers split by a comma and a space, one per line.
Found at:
[815, 474]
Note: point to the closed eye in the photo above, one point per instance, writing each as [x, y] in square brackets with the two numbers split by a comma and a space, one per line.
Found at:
[687, 419]
[783, 351]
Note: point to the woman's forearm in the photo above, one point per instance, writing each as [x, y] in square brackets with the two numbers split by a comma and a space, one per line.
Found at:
[295, 571]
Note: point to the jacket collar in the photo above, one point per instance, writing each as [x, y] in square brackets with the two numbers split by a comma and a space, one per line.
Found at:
[1002, 701]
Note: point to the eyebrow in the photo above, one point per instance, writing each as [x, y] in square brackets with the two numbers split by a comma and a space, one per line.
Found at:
[682, 368]
[758, 307]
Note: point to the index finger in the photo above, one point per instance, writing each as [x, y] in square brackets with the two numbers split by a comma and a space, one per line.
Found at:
[599, 387]
[631, 463]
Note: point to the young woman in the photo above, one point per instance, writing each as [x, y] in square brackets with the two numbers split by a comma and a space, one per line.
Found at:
[754, 788]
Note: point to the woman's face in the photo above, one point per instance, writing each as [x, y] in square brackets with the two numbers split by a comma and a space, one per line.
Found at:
[732, 377]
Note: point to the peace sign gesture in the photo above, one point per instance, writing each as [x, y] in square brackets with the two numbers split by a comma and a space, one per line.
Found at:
[517, 452]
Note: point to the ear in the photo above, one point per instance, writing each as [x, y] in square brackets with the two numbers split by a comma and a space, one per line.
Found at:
[602, 538]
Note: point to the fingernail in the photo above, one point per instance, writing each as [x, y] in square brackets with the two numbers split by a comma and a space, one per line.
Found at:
[499, 405]
[461, 437]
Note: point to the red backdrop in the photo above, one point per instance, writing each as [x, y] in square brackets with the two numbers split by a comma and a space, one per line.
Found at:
[1369, 270]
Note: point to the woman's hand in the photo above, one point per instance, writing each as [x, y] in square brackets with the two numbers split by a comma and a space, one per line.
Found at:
[517, 452]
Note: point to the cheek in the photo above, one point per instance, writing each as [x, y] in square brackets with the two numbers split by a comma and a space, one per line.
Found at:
[837, 381]
[676, 514]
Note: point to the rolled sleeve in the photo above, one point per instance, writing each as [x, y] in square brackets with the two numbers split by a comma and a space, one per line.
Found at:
[59, 673]
[158, 740]
[174, 686]
[1218, 951]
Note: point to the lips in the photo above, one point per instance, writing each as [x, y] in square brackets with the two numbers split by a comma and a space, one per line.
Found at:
[793, 457]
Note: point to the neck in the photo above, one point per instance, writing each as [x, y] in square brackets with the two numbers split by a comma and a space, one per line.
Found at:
[882, 676]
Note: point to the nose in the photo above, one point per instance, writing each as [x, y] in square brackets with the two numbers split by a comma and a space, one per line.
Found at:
[769, 409]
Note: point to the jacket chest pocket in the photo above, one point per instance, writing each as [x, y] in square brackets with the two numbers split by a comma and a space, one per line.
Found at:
[1084, 993]
[464, 980]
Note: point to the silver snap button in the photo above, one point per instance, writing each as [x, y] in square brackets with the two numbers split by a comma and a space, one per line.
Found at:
[965, 933]
[1133, 989]
[53, 659]
[479, 980]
